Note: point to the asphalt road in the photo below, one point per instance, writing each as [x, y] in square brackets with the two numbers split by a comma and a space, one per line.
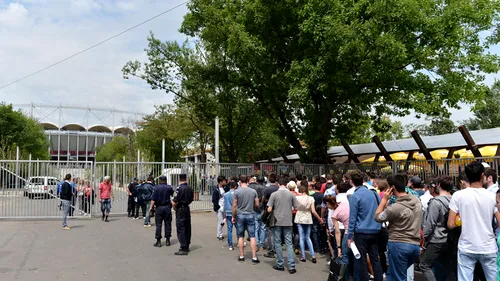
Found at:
[123, 250]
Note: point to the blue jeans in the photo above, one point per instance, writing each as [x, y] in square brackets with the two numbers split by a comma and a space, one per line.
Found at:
[401, 256]
[245, 222]
[105, 206]
[66, 205]
[229, 221]
[305, 237]
[147, 220]
[345, 257]
[467, 262]
[287, 232]
[260, 230]
[315, 235]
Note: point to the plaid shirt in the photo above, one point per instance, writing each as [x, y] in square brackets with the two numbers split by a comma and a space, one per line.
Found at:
[408, 190]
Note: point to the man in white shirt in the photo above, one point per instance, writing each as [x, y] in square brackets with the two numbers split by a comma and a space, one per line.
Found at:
[476, 208]
[427, 196]
[490, 180]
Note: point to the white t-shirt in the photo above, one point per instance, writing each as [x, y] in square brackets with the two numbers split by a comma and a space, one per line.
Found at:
[221, 199]
[425, 198]
[351, 191]
[476, 207]
[493, 188]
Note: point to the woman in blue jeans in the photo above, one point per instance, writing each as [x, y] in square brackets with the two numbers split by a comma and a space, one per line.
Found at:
[304, 221]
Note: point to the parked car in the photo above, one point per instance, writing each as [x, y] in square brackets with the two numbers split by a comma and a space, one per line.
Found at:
[41, 187]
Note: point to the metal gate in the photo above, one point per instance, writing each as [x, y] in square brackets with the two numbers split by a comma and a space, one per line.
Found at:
[28, 189]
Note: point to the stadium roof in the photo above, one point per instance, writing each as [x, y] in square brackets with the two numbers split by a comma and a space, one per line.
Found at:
[74, 127]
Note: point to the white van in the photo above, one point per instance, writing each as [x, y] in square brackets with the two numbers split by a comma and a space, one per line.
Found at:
[41, 186]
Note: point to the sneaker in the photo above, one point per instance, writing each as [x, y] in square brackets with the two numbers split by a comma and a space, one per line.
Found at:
[372, 277]
[255, 261]
[66, 228]
[275, 267]
[231, 249]
[181, 253]
[240, 259]
[270, 255]
[219, 238]
[314, 260]
[292, 271]
[245, 244]
[302, 259]
[147, 225]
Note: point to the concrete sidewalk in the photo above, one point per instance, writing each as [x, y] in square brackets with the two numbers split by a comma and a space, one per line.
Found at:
[122, 250]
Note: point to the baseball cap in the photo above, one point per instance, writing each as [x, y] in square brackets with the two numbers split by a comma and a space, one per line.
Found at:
[416, 180]
[163, 178]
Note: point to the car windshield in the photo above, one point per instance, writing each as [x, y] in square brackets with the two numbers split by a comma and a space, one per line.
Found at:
[37, 181]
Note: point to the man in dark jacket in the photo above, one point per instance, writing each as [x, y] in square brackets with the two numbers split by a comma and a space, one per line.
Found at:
[132, 194]
[66, 196]
[260, 228]
[146, 192]
[218, 201]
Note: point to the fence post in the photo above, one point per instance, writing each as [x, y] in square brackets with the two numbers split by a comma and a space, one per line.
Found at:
[114, 172]
[29, 167]
[162, 155]
[17, 167]
[138, 162]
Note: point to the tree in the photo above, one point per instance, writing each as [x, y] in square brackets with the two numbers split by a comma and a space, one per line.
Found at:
[317, 67]
[164, 124]
[116, 149]
[486, 111]
[16, 129]
[364, 129]
[205, 86]
[437, 126]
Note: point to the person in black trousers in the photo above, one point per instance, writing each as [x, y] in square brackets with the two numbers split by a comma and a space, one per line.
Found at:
[161, 200]
[181, 202]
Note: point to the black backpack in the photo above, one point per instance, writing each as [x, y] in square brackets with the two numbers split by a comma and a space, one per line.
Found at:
[453, 234]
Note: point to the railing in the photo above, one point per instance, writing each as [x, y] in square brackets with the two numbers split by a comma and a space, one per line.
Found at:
[28, 189]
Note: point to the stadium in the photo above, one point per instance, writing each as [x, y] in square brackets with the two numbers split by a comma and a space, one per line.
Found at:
[74, 141]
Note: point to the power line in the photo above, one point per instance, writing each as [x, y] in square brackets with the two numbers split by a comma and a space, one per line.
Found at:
[93, 46]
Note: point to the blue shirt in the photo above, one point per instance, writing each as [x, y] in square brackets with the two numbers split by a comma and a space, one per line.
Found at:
[363, 203]
[228, 202]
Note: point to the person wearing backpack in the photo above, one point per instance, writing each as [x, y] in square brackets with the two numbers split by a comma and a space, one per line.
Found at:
[437, 248]
[476, 207]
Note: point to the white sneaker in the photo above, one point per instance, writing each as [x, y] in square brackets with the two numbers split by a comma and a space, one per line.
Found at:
[245, 244]
[231, 248]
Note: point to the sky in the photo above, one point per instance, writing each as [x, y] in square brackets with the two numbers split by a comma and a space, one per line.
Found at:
[37, 33]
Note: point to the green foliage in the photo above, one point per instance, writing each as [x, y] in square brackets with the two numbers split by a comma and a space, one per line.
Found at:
[363, 130]
[16, 129]
[316, 68]
[437, 126]
[206, 86]
[164, 124]
[486, 111]
[116, 149]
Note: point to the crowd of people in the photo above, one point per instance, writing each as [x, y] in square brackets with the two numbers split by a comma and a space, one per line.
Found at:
[371, 226]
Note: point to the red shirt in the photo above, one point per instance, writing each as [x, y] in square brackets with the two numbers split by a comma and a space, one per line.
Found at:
[296, 194]
[105, 190]
[323, 188]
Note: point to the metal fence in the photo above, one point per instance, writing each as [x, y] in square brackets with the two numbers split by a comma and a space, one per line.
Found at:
[28, 189]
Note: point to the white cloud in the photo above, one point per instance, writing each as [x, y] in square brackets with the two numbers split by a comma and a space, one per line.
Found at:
[93, 78]
[14, 14]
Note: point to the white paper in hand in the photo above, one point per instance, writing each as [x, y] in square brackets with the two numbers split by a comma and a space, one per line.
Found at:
[355, 251]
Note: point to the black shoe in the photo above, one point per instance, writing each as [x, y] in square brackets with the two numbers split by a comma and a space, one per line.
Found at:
[275, 267]
[106, 220]
[255, 261]
[314, 260]
[270, 255]
[167, 243]
[241, 259]
[181, 253]
[102, 218]
[292, 271]
[158, 243]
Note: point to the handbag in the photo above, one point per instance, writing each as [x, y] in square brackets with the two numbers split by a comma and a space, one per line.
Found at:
[268, 218]
[337, 271]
